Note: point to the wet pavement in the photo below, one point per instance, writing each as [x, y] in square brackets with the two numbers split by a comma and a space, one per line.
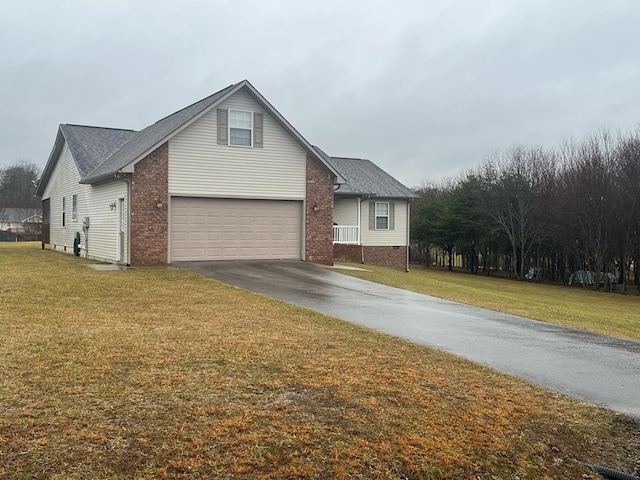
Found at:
[594, 368]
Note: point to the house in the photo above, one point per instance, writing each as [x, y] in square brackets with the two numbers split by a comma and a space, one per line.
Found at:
[226, 178]
[20, 223]
[370, 214]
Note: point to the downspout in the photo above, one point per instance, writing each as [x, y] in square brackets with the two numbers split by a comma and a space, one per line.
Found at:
[360, 229]
[128, 207]
[86, 239]
[408, 230]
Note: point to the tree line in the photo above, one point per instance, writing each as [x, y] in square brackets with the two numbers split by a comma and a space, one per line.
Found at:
[540, 212]
[17, 191]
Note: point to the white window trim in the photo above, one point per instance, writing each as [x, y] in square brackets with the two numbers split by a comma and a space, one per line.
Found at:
[74, 207]
[376, 216]
[230, 127]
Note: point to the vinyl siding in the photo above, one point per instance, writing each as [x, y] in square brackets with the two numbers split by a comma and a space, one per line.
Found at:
[381, 238]
[64, 183]
[198, 166]
[103, 229]
[345, 211]
[93, 202]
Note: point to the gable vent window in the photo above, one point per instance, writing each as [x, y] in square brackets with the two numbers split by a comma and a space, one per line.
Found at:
[240, 128]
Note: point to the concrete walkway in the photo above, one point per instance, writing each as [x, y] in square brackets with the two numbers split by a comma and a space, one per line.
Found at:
[589, 367]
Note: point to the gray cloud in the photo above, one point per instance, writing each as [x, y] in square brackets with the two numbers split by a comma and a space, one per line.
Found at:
[423, 88]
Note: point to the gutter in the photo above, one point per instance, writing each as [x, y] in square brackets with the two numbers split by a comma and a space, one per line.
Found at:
[408, 230]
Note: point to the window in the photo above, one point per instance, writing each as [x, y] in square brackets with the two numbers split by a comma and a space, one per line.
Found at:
[240, 128]
[382, 215]
[74, 207]
[64, 211]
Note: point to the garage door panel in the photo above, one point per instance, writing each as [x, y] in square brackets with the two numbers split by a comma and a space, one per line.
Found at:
[224, 229]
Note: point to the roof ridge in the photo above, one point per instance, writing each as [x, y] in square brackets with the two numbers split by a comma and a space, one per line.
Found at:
[352, 158]
[97, 126]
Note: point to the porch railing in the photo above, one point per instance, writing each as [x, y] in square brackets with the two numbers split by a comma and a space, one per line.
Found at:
[346, 234]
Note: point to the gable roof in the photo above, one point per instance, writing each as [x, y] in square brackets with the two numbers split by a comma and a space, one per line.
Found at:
[363, 177]
[147, 140]
[90, 146]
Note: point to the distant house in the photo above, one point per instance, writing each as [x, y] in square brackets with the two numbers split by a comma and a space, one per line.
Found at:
[19, 224]
[226, 178]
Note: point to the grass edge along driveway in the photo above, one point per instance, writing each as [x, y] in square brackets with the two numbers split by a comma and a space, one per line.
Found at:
[159, 373]
[599, 312]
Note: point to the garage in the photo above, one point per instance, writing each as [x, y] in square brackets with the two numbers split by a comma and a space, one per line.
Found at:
[231, 229]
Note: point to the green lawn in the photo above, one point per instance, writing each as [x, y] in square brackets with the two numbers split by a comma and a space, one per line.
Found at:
[159, 373]
[602, 312]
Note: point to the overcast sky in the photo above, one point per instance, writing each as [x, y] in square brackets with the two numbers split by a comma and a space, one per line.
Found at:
[424, 88]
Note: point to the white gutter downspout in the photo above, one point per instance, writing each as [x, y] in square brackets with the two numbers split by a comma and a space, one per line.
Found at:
[362, 199]
[359, 213]
[408, 230]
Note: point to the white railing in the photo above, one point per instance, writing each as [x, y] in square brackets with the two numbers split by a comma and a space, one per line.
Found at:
[346, 234]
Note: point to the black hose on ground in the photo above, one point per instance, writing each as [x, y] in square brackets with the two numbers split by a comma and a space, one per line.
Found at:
[609, 473]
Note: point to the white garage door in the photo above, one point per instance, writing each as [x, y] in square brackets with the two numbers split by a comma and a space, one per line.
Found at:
[224, 229]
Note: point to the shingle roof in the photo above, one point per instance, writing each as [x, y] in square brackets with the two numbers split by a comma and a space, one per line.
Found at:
[101, 152]
[146, 139]
[90, 146]
[363, 177]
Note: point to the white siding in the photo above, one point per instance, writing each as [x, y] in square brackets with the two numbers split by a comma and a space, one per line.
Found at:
[103, 229]
[395, 237]
[198, 166]
[93, 202]
[345, 211]
[64, 183]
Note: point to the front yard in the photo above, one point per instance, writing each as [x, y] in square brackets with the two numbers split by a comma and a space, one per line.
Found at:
[159, 373]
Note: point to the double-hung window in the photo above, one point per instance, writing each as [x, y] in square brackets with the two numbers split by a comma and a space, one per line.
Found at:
[240, 128]
[64, 211]
[74, 207]
[382, 215]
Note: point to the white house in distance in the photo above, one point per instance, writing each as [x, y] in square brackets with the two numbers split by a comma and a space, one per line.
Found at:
[21, 223]
[226, 178]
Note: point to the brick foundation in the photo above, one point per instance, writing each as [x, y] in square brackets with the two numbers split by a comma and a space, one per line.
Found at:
[319, 225]
[150, 223]
[392, 257]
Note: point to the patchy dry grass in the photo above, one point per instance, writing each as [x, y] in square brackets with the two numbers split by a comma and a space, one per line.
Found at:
[157, 373]
[600, 312]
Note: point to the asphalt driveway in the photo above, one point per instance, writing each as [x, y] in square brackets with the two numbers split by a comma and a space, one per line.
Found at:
[589, 367]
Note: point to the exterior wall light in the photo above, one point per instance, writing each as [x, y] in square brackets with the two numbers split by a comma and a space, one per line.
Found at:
[316, 207]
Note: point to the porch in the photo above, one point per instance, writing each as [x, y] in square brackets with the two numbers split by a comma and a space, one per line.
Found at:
[346, 234]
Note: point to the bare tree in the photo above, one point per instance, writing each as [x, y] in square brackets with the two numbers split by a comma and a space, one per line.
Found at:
[17, 193]
[626, 209]
[587, 199]
[514, 184]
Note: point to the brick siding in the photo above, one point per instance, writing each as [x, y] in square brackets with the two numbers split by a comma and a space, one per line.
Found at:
[150, 223]
[319, 225]
[392, 257]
